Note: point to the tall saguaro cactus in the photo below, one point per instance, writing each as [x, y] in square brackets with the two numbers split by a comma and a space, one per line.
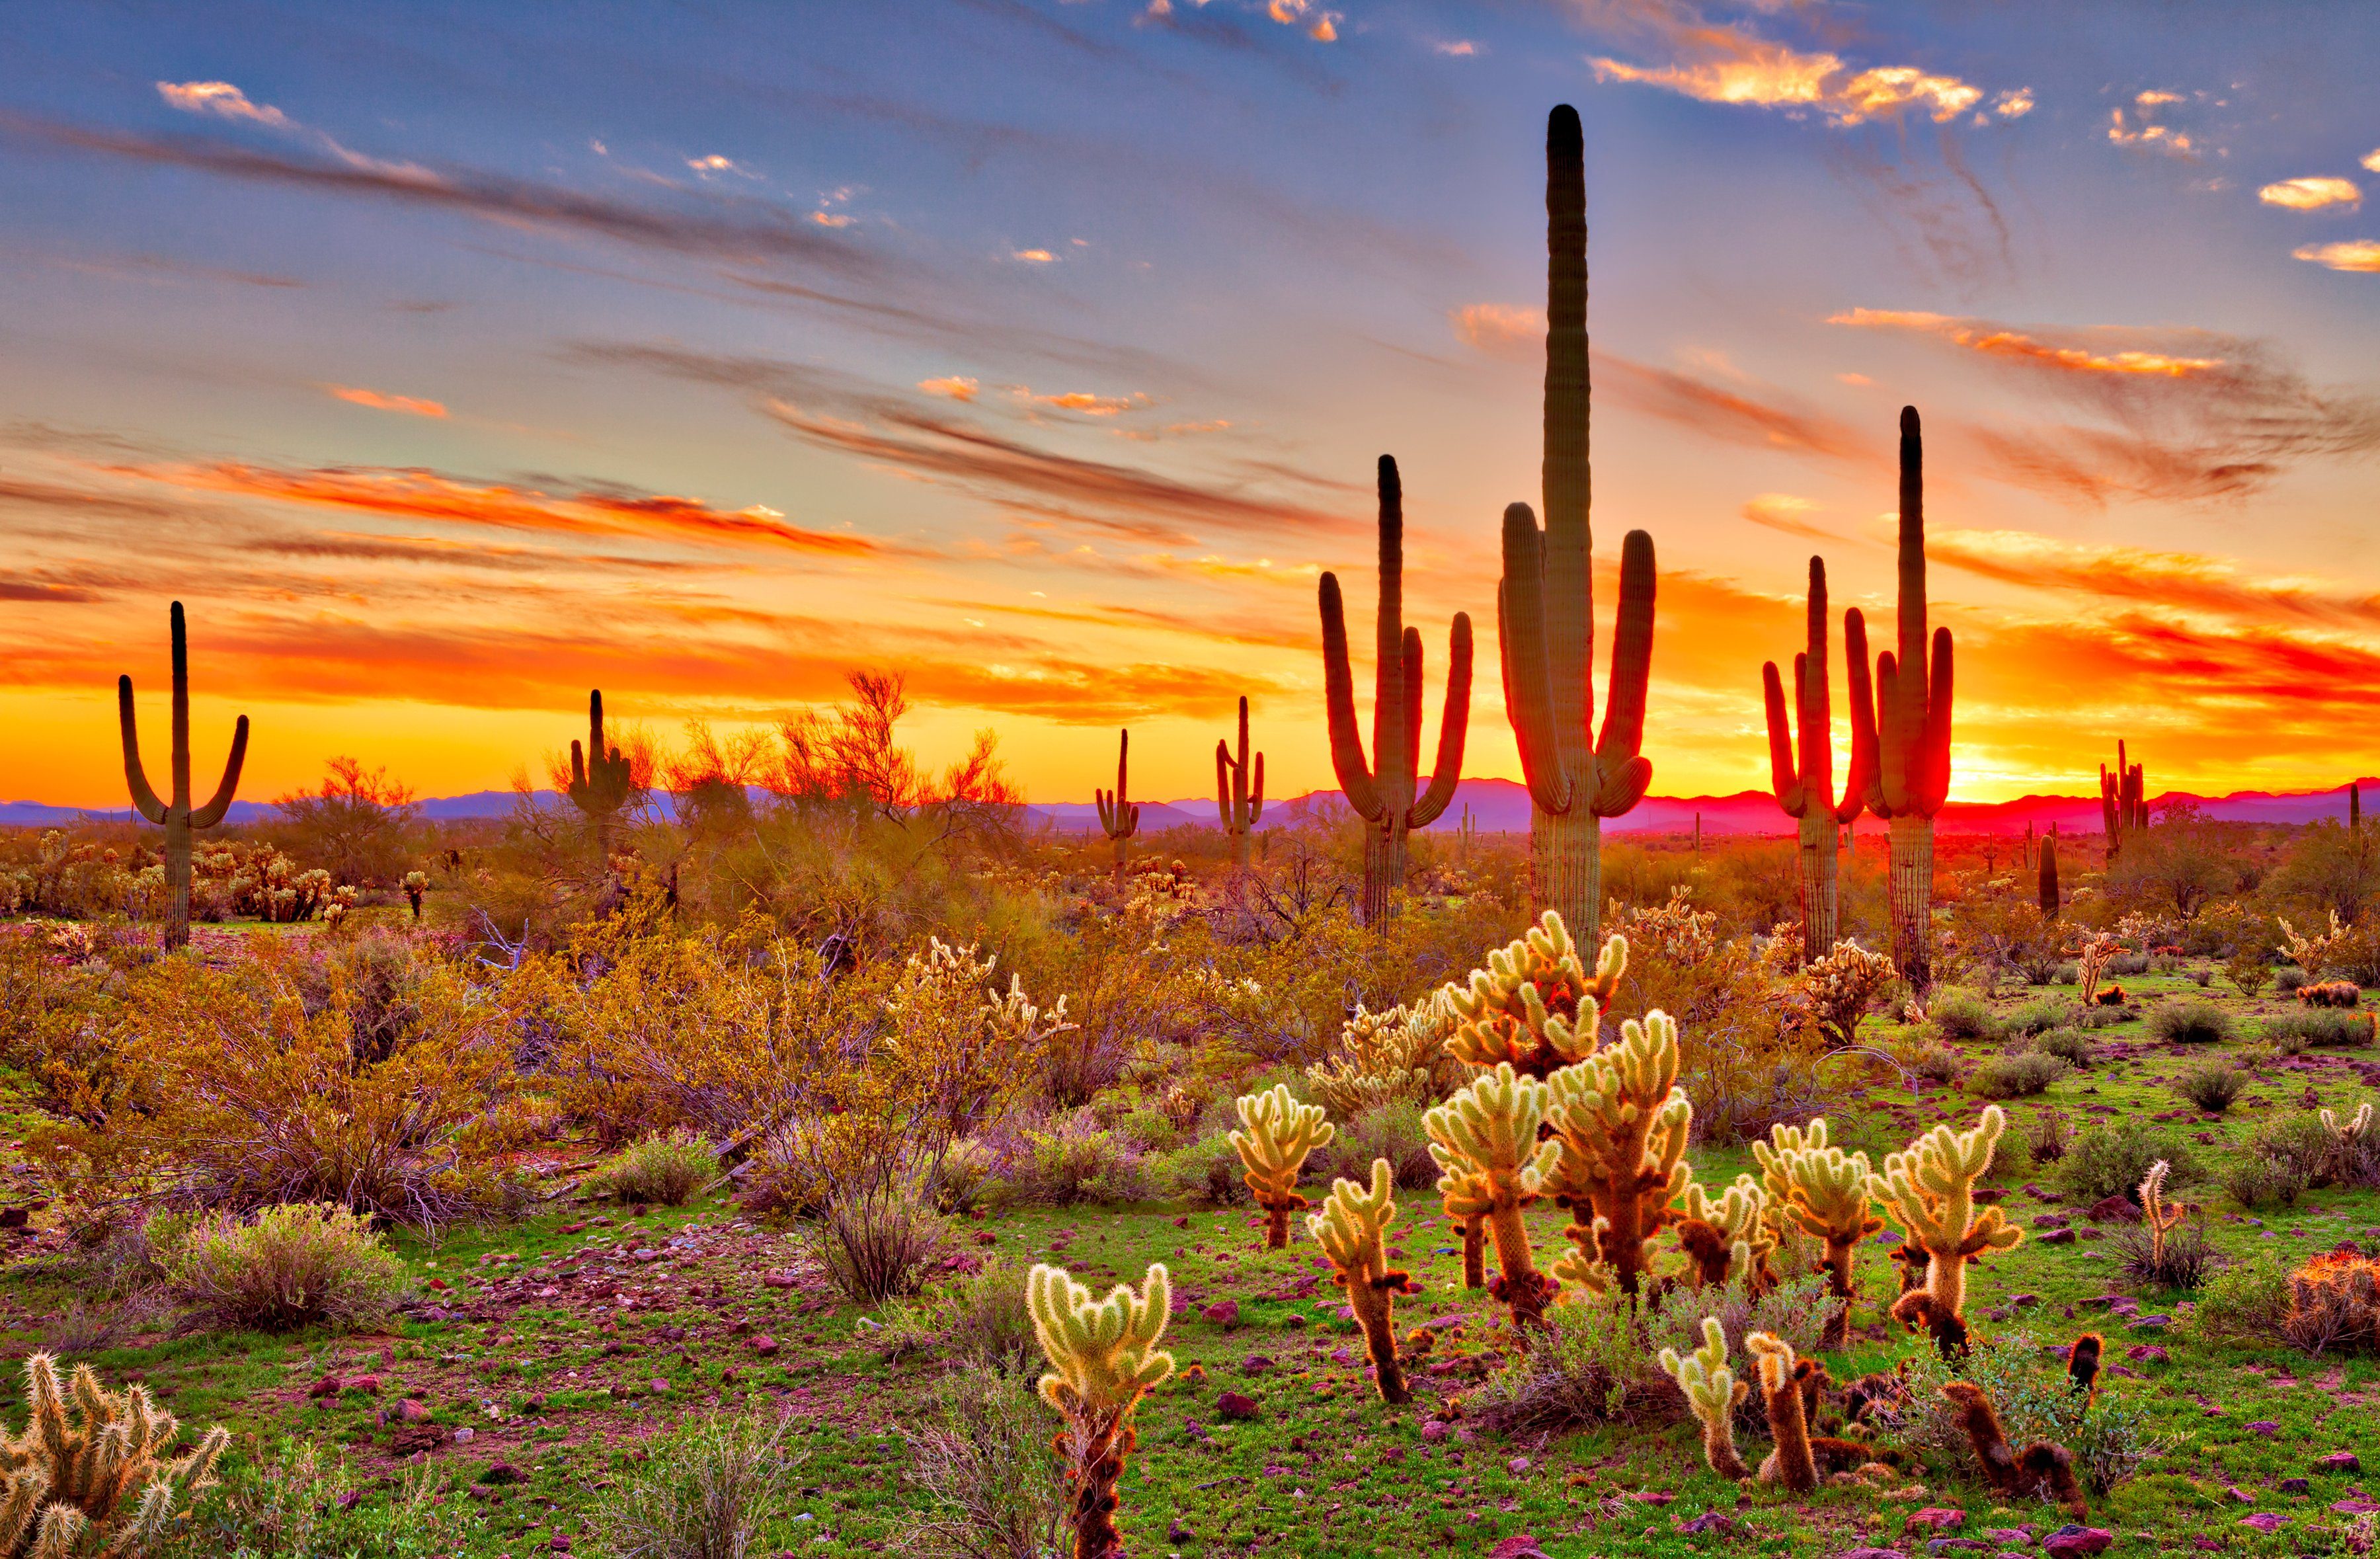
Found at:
[1239, 790]
[1912, 715]
[2050, 877]
[177, 817]
[1804, 782]
[1546, 602]
[601, 776]
[1381, 791]
[2123, 800]
[1118, 816]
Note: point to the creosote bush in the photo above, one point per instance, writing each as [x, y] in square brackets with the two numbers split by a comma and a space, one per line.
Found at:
[304, 1264]
[2320, 1027]
[2015, 1075]
[878, 1241]
[2071, 1045]
[2213, 1084]
[980, 1319]
[668, 1169]
[1961, 1015]
[2195, 1021]
[2111, 1158]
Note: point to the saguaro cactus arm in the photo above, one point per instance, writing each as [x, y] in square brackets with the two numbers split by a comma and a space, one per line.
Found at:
[1118, 815]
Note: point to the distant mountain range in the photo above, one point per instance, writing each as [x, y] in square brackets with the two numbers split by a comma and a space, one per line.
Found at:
[1497, 806]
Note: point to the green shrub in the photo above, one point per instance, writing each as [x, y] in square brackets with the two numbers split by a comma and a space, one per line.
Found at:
[2247, 1301]
[1932, 1060]
[2196, 1021]
[984, 1459]
[708, 1491]
[2040, 1016]
[980, 1318]
[1391, 1130]
[2110, 1159]
[2046, 1136]
[2318, 1026]
[301, 1265]
[2097, 1016]
[2288, 979]
[1961, 1015]
[1206, 1171]
[2110, 1437]
[2259, 1180]
[2070, 1045]
[2015, 1075]
[668, 1169]
[878, 1242]
[1070, 1161]
[294, 1502]
[1589, 1365]
[2211, 1085]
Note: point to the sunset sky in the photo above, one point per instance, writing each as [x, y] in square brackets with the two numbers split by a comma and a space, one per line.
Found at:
[448, 361]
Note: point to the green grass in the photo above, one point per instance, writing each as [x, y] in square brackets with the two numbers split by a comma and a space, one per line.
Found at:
[1327, 1469]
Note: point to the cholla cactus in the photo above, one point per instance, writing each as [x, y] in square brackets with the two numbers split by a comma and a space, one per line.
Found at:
[103, 1488]
[416, 884]
[1729, 1237]
[1398, 1055]
[2161, 1217]
[1930, 1188]
[1280, 1133]
[2091, 961]
[1825, 1192]
[1485, 1140]
[2334, 1302]
[1105, 1358]
[1535, 1005]
[1835, 990]
[2311, 953]
[1780, 1392]
[1350, 1229]
[1620, 1125]
[1713, 1391]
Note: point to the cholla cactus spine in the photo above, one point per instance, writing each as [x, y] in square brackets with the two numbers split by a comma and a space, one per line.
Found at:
[1535, 1005]
[106, 1486]
[1780, 1391]
[1237, 796]
[1279, 1132]
[1351, 1229]
[1930, 1188]
[1119, 817]
[1713, 1391]
[1620, 1124]
[1104, 1358]
[1485, 1140]
[2161, 1217]
[1825, 1192]
[176, 816]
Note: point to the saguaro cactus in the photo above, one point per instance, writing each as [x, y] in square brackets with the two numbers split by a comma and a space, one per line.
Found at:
[1104, 1358]
[1713, 1391]
[1350, 1229]
[1237, 796]
[1280, 1133]
[2123, 800]
[1930, 1188]
[602, 778]
[1118, 816]
[1910, 726]
[177, 817]
[1381, 791]
[1485, 1140]
[1803, 779]
[1823, 1192]
[2050, 877]
[1620, 1127]
[105, 1487]
[1546, 602]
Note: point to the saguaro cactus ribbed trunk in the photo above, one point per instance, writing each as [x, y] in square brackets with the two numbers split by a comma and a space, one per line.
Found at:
[2049, 878]
[601, 778]
[1546, 603]
[1805, 785]
[1381, 791]
[2123, 800]
[177, 817]
[1912, 717]
[1240, 799]
[1119, 816]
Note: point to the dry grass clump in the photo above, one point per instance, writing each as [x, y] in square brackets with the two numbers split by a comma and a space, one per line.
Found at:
[305, 1264]
[994, 1482]
[2016, 1075]
[878, 1241]
[709, 1490]
[668, 1169]
[2211, 1085]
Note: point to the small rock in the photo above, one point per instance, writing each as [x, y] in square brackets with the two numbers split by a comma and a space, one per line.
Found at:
[1435, 1429]
[503, 1472]
[2148, 1352]
[2264, 1427]
[558, 1543]
[2114, 1210]
[763, 1345]
[1231, 1405]
[465, 1435]
[2017, 1535]
[2023, 1301]
[2355, 1504]
[1256, 1364]
[1517, 1466]
[327, 1387]
[2055, 1236]
[2150, 1322]
[2264, 1521]
[1708, 1521]
[1520, 1547]
[2339, 1461]
[2237, 1496]
[1873, 1553]
[1955, 1545]
[2072, 1541]
[2295, 1486]
[368, 1384]
[1933, 1518]
[407, 1411]
[1222, 1313]
[657, 1385]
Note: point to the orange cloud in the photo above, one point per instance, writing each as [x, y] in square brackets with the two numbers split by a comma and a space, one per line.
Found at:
[2000, 341]
[1717, 62]
[2152, 138]
[1498, 327]
[1782, 511]
[954, 387]
[1083, 401]
[409, 405]
[2311, 193]
[2183, 582]
[1731, 416]
[222, 98]
[2352, 254]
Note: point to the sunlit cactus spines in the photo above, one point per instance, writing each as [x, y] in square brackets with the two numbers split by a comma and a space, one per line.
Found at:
[1729, 1237]
[1535, 1005]
[1620, 1128]
[603, 779]
[2161, 1217]
[94, 1475]
[1791, 1463]
[1382, 790]
[1350, 1228]
[1826, 1193]
[1276, 1133]
[1239, 789]
[1119, 817]
[1713, 1392]
[1104, 1358]
[177, 815]
[1802, 760]
[1546, 602]
[1491, 1165]
[1930, 1189]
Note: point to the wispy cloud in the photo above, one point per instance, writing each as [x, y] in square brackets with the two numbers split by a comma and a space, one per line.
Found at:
[950, 386]
[1783, 511]
[412, 405]
[2143, 135]
[2351, 254]
[2311, 193]
[1996, 340]
[224, 101]
[2177, 580]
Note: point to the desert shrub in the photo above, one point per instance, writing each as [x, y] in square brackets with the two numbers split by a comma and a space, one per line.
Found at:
[1589, 1364]
[2046, 1136]
[2318, 1027]
[1961, 1015]
[2193, 1022]
[709, 1490]
[2110, 1437]
[878, 1242]
[979, 1318]
[2183, 1261]
[2211, 1085]
[1207, 1171]
[2246, 1301]
[1392, 1131]
[305, 1264]
[2202, 977]
[1795, 1309]
[2287, 980]
[292, 1502]
[966, 1178]
[2015, 1075]
[2260, 1180]
[994, 1483]
[2041, 1016]
[2110, 1158]
[668, 1169]
[2309, 1148]
[2131, 963]
[2066, 973]
[2250, 970]
[2334, 1303]
[1934, 1061]
[1069, 1160]
[2090, 1018]
[2071, 1045]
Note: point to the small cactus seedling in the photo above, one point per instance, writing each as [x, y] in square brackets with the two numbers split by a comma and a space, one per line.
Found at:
[1238, 796]
[1485, 1140]
[1118, 817]
[1104, 1358]
[1823, 1192]
[2161, 1217]
[1713, 1391]
[1930, 1188]
[105, 1487]
[1535, 1005]
[2039, 1468]
[1350, 1229]
[1782, 1377]
[1729, 1237]
[1278, 1133]
[1619, 1123]
[602, 780]
[177, 817]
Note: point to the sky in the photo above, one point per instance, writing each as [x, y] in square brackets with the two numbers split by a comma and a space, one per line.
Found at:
[448, 361]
